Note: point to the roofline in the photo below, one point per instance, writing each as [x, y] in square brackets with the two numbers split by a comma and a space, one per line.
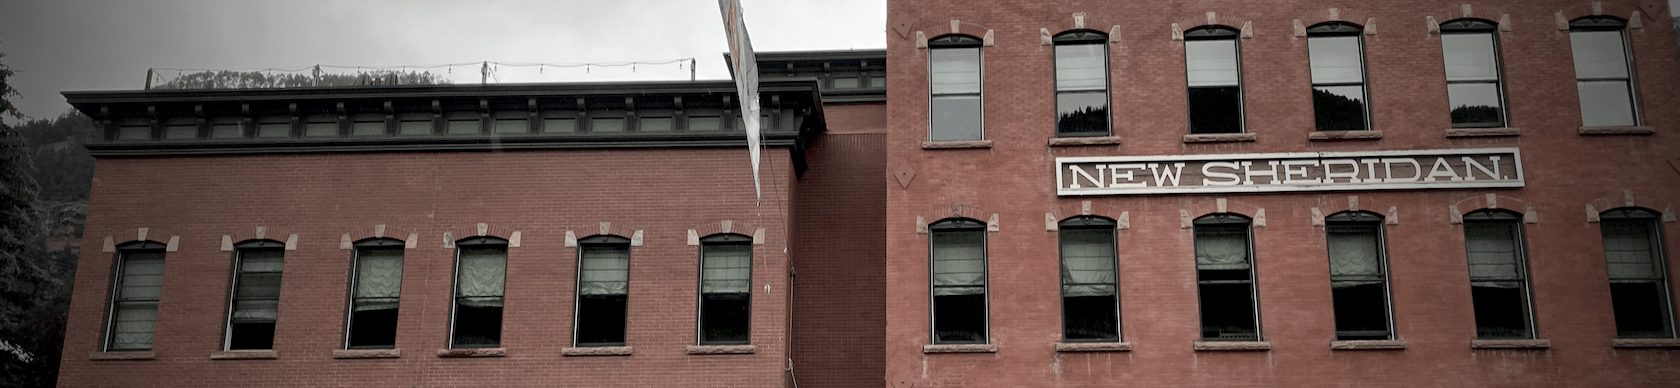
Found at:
[429, 91]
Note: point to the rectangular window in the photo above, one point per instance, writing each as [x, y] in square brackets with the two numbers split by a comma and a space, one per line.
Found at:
[134, 297]
[1498, 275]
[1214, 74]
[1603, 72]
[1082, 84]
[463, 126]
[954, 74]
[958, 247]
[1358, 276]
[181, 129]
[227, 128]
[845, 83]
[655, 124]
[255, 303]
[725, 289]
[321, 126]
[368, 124]
[1225, 279]
[375, 293]
[1638, 274]
[134, 129]
[1474, 89]
[603, 290]
[704, 123]
[480, 274]
[512, 126]
[1337, 54]
[606, 124]
[1090, 302]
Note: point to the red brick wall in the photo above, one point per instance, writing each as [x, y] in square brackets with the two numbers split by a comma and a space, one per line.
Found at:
[1431, 294]
[542, 194]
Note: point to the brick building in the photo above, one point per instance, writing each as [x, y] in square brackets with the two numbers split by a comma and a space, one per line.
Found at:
[1191, 193]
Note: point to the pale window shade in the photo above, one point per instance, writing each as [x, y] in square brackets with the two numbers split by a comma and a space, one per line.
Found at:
[1221, 248]
[1627, 248]
[726, 268]
[1493, 252]
[606, 270]
[959, 259]
[378, 279]
[481, 277]
[1354, 255]
[258, 292]
[136, 304]
[1087, 262]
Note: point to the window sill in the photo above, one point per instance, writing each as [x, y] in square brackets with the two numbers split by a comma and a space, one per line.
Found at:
[1641, 130]
[1344, 135]
[1219, 137]
[1368, 345]
[245, 355]
[123, 356]
[1511, 344]
[1216, 346]
[1093, 346]
[1083, 141]
[703, 350]
[965, 348]
[596, 351]
[956, 144]
[472, 352]
[354, 354]
[1646, 343]
[1482, 132]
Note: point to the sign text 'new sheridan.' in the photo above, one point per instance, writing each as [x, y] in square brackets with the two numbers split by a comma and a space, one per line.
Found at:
[1304, 171]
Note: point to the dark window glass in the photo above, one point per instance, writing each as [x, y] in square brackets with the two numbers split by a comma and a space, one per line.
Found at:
[256, 295]
[1225, 279]
[1090, 301]
[480, 277]
[1498, 274]
[1081, 84]
[725, 289]
[1603, 76]
[1358, 276]
[955, 111]
[1338, 77]
[958, 247]
[134, 297]
[1475, 91]
[1214, 73]
[1638, 274]
[375, 293]
[603, 290]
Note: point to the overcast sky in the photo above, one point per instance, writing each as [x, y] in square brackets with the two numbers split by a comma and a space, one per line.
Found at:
[60, 45]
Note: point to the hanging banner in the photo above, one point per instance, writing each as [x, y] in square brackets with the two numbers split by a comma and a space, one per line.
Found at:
[745, 71]
[1302, 171]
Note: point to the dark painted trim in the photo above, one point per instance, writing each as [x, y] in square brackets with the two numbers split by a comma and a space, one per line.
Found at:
[337, 145]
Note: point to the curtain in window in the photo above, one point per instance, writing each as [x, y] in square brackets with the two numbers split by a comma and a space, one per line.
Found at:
[959, 259]
[1087, 262]
[258, 295]
[1627, 247]
[606, 271]
[481, 276]
[1222, 248]
[727, 269]
[142, 276]
[136, 305]
[1354, 255]
[1493, 254]
[378, 279]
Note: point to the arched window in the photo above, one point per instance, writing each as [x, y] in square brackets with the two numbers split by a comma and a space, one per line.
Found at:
[1340, 101]
[1225, 278]
[1082, 84]
[1213, 70]
[726, 289]
[958, 250]
[1498, 274]
[1475, 86]
[375, 294]
[480, 286]
[134, 296]
[1604, 72]
[1359, 276]
[254, 304]
[1638, 273]
[1090, 285]
[955, 71]
[603, 291]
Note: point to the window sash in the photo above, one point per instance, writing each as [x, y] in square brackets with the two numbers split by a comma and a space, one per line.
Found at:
[254, 303]
[1604, 77]
[134, 301]
[956, 109]
[725, 293]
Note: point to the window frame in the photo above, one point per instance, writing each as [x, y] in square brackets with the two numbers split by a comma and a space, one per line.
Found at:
[239, 252]
[577, 289]
[956, 41]
[1609, 23]
[1664, 283]
[964, 225]
[1082, 38]
[700, 286]
[1334, 30]
[1095, 223]
[1213, 33]
[355, 281]
[107, 344]
[1234, 221]
[1472, 26]
[455, 287]
[1513, 221]
[1381, 236]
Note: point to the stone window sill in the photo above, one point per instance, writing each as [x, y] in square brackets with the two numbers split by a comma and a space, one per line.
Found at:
[122, 356]
[1093, 346]
[1482, 132]
[1640, 130]
[1083, 141]
[356, 354]
[702, 350]
[1511, 344]
[965, 348]
[1219, 137]
[956, 144]
[1368, 345]
[473, 352]
[1344, 135]
[596, 351]
[1670, 343]
[1216, 346]
[245, 355]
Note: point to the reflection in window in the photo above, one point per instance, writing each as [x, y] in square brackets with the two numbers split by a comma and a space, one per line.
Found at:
[603, 290]
[480, 277]
[1214, 74]
[1082, 84]
[1638, 274]
[1474, 90]
[725, 289]
[1338, 77]
[1225, 279]
[1498, 274]
[134, 299]
[375, 292]
[1358, 276]
[1090, 302]
[1603, 75]
[958, 247]
[954, 80]
[256, 295]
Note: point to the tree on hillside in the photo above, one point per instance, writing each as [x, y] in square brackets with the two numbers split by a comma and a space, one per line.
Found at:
[62, 166]
[32, 301]
[227, 79]
[6, 91]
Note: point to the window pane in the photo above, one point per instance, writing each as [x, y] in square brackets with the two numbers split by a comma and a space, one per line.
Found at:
[226, 131]
[956, 118]
[1641, 309]
[1228, 312]
[1492, 248]
[559, 125]
[133, 325]
[134, 133]
[606, 125]
[373, 328]
[604, 270]
[600, 320]
[1599, 54]
[320, 129]
[1211, 62]
[725, 318]
[1339, 108]
[955, 70]
[1222, 247]
[416, 128]
[1501, 309]
[274, 130]
[1475, 103]
[1081, 67]
[726, 268]
[1090, 318]
[462, 127]
[378, 274]
[1216, 110]
[512, 126]
[1354, 254]
[1336, 59]
[656, 124]
[704, 123]
[959, 259]
[1469, 57]
[1361, 311]
[180, 132]
[481, 275]
[1082, 112]
[959, 319]
[1605, 103]
[478, 325]
[846, 83]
